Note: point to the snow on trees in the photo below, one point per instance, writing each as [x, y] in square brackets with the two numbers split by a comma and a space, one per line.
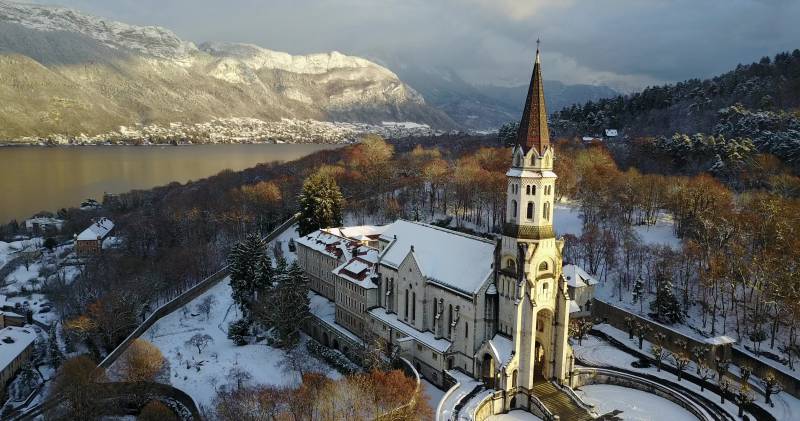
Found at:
[320, 204]
[200, 341]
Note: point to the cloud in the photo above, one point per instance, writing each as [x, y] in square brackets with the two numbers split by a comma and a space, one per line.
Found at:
[628, 44]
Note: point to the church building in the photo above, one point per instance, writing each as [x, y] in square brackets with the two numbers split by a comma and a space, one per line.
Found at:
[457, 305]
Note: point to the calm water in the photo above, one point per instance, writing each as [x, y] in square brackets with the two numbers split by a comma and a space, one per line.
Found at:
[37, 178]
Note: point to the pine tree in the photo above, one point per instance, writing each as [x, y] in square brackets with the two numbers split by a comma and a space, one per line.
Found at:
[53, 351]
[666, 305]
[287, 307]
[320, 204]
[243, 267]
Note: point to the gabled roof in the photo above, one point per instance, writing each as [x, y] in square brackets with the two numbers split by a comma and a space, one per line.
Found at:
[360, 269]
[449, 258]
[533, 131]
[98, 230]
[577, 277]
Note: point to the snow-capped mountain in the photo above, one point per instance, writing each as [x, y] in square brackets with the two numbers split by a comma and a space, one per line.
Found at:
[65, 72]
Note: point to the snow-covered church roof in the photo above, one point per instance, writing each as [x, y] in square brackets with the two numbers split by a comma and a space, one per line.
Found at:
[449, 258]
[577, 277]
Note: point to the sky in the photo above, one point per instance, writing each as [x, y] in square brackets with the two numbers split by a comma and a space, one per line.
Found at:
[625, 44]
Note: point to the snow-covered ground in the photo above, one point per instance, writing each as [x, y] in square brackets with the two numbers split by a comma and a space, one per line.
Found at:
[201, 374]
[567, 220]
[433, 393]
[634, 404]
[599, 352]
[516, 415]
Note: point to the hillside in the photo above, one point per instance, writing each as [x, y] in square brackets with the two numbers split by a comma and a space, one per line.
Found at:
[753, 106]
[63, 72]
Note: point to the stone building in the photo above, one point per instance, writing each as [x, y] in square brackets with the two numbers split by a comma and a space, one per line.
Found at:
[495, 309]
[90, 241]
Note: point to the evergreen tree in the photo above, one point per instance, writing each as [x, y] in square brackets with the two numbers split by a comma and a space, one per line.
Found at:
[638, 293]
[666, 305]
[320, 204]
[238, 332]
[243, 267]
[53, 351]
[287, 307]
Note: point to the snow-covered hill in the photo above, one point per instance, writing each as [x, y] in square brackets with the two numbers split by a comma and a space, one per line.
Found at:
[68, 73]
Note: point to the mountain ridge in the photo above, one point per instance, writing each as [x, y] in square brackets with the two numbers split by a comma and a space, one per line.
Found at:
[63, 72]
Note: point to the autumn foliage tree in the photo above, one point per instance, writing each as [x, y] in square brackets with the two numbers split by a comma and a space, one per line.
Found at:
[77, 386]
[141, 362]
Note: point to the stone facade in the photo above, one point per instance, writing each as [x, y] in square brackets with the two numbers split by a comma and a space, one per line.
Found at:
[495, 309]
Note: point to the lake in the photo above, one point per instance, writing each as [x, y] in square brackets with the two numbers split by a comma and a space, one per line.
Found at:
[34, 178]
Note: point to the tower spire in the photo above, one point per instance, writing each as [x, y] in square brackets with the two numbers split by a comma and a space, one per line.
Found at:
[533, 131]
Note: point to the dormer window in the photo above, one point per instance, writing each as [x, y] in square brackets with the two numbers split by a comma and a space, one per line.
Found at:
[543, 266]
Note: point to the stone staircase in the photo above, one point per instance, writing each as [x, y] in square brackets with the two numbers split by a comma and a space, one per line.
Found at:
[559, 403]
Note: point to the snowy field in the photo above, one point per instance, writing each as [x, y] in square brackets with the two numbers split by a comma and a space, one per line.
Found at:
[202, 374]
[567, 220]
[516, 415]
[634, 404]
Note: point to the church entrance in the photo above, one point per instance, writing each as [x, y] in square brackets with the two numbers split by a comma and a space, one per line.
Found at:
[539, 363]
[487, 371]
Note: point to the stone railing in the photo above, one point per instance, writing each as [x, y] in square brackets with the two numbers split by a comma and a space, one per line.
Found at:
[575, 398]
[586, 376]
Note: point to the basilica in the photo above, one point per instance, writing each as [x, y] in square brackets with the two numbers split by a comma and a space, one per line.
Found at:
[457, 306]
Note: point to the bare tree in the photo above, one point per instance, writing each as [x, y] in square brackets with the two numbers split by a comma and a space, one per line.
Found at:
[200, 341]
[206, 305]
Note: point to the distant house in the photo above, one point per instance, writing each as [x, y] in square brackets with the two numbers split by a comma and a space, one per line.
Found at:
[43, 225]
[590, 139]
[90, 241]
[580, 286]
[611, 133]
[16, 347]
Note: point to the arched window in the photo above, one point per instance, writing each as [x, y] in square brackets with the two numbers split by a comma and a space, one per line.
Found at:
[533, 190]
[528, 189]
[466, 330]
[511, 265]
[546, 211]
[513, 209]
[530, 210]
[543, 266]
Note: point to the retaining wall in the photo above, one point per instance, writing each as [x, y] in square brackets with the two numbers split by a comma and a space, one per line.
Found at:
[615, 316]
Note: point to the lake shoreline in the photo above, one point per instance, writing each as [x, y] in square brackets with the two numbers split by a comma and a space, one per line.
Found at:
[36, 178]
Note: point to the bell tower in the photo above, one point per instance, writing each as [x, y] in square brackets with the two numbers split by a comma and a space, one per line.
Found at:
[541, 303]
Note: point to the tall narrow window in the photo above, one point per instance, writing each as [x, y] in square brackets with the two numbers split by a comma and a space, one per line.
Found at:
[466, 330]
[433, 317]
[530, 210]
[546, 211]
[406, 309]
[528, 189]
[533, 190]
[513, 209]
[413, 306]
[450, 321]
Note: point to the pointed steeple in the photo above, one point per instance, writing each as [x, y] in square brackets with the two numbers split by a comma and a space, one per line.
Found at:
[533, 130]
